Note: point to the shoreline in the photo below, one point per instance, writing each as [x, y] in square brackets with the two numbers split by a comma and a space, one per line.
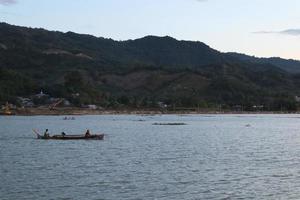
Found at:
[81, 111]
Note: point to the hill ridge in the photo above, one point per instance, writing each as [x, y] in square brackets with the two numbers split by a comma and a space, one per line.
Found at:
[140, 72]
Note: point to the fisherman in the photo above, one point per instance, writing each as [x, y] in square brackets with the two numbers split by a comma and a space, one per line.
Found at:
[87, 134]
[46, 134]
[63, 134]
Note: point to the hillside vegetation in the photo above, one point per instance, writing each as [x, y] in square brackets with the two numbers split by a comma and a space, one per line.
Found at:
[140, 73]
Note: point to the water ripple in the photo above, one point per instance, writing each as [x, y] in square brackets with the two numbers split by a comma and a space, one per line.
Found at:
[213, 157]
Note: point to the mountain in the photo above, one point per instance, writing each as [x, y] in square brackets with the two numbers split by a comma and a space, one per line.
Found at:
[139, 73]
[289, 65]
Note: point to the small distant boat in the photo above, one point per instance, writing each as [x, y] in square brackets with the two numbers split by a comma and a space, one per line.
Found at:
[69, 118]
[169, 124]
[70, 137]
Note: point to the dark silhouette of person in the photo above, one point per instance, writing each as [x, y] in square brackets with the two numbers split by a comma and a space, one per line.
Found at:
[87, 134]
[46, 134]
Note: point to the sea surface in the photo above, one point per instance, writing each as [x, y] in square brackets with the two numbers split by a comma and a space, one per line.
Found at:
[211, 157]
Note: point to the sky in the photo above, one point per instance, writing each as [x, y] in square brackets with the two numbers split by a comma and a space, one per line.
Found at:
[263, 28]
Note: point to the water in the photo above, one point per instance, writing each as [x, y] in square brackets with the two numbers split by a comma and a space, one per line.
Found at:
[212, 157]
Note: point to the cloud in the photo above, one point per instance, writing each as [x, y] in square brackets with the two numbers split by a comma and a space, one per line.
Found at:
[294, 32]
[291, 32]
[7, 2]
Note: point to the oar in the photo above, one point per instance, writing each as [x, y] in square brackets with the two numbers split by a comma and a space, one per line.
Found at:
[36, 132]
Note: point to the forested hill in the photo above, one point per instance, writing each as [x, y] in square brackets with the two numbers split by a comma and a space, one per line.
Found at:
[150, 50]
[289, 65]
[139, 73]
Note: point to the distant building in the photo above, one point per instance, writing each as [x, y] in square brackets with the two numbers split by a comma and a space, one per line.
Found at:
[91, 106]
[74, 95]
[41, 95]
[53, 100]
[162, 104]
[25, 102]
[237, 108]
[258, 107]
[66, 103]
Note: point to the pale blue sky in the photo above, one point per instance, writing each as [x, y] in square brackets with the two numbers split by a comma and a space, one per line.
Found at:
[256, 27]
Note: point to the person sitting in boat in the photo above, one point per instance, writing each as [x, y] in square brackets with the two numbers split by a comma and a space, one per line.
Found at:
[46, 134]
[63, 134]
[87, 134]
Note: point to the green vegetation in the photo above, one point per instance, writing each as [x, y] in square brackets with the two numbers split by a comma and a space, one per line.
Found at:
[151, 72]
[13, 84]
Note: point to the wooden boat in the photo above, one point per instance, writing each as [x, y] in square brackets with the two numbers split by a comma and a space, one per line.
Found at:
[71, 137]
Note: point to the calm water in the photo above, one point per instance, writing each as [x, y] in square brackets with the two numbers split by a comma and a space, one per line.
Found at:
[212, 157]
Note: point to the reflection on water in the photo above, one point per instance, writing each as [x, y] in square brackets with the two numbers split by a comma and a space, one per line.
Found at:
[211, 157]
